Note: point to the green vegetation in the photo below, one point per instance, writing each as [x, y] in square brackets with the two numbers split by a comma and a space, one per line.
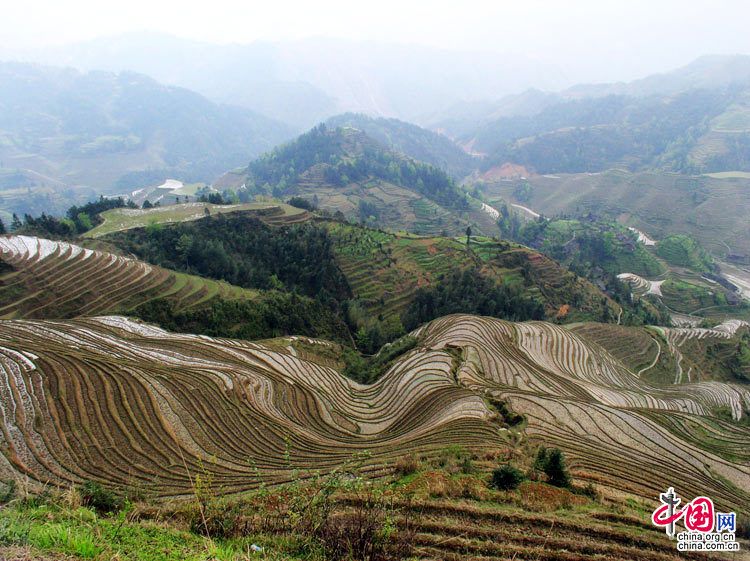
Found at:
[368, 369]
[270, 314]
[244, 251]
[78, 220]
[468, 291]
[413, 141]
[686, 297]
[551, 462]
[585, 244]
[601, 132]
[507, 478]
[346, 156]
[684, 251]
[342, 516]
[120, 220]
[379, 284]
[598, 250]
[711, 211]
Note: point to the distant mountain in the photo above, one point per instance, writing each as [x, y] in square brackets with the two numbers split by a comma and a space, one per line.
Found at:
[595, 134]
[706, 72]
[692, 119]
[463, 118]
[414, 141]
[60, 128]
[344, 169]
[303, 82]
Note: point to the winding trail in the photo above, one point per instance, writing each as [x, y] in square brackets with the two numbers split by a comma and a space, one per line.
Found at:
[656, 359]
[527, 210]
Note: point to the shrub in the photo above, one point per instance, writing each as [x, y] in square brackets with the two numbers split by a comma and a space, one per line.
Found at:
[507, 478]
[552, 462]
[466, 465]
[301, 202]
[102, 500]
[406, 465]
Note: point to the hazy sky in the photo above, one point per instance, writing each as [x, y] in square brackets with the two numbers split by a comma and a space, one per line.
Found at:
[590, 39]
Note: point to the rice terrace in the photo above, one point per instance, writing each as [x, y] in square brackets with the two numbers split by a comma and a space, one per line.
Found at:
[303, 282]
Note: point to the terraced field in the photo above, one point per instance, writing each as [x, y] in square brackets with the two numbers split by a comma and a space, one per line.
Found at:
[121, 402]
[127, 404]
[386, 269]
[52, 279]
[119, 219]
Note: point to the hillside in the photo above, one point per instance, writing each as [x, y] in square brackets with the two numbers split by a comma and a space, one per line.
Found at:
[709, 72]
[124, 219]
[593, 134]
[411, 140]
[63, 132]
[303, 82]
[387, 271]
[693, 119]
[345, 170]
[170, 419]
[384, 275]
[711, 210]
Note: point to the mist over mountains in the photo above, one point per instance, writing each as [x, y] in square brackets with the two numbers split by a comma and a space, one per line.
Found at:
[303, 82]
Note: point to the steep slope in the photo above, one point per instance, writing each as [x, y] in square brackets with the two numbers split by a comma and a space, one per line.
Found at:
[114, 131]
[708, 72]
[52, 279]
[126, 404]
[345, 170]
[387, 276]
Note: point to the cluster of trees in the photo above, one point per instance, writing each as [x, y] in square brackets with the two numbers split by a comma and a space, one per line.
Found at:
[368, 369]
[287, 161]
[684, 251]
[301, 202]
[214, 199]
[77, 220]
[281, 168]
[470, 292]
[509, 223]
[427, 180]
[244, 251]
[273, 315]
[418, 143]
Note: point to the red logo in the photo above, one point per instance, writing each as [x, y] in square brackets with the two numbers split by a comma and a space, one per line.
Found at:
[697, 515]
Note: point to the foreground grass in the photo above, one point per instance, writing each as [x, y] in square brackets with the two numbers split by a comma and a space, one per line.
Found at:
[49, 531]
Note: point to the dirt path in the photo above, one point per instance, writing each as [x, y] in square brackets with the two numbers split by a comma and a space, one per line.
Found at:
[527, 210]
[656, 359]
